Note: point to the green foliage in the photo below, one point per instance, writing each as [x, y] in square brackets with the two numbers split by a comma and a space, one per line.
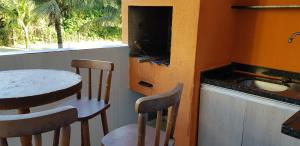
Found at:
[89, 24]
[4, 40]
[78, 20]
[18, 15]
[3, 32]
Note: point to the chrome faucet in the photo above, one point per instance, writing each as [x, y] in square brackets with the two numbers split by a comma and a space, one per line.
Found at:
[293, 36]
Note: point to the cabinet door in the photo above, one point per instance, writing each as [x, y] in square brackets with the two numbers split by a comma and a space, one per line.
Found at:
[221, 117]
[263, 120]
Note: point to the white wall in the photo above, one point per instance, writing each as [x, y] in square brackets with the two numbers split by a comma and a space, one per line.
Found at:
[122, 99]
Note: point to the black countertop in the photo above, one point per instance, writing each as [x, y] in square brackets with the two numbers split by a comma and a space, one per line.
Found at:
[292, 126]
[240, 77]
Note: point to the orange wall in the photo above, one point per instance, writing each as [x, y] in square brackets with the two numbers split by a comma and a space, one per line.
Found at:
[257, 37]
[215, 44]
[216, 33]
[261, 36]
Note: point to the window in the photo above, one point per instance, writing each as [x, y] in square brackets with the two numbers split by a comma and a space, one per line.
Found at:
[54, 24]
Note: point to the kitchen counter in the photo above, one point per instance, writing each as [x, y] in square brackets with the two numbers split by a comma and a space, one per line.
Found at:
[292, 126]
[266, 82]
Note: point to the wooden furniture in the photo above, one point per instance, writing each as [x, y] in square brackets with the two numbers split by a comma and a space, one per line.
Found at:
[140, 134]
[37, 123]
[89, 107]
[22, 89]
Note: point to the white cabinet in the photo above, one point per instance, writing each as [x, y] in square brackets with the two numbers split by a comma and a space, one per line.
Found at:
[233, 118]
[263, 122]
[221, 118]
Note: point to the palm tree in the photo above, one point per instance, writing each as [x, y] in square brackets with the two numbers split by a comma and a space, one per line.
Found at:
[57, 9]
[111, 10]
[54, 9]
[18, 13]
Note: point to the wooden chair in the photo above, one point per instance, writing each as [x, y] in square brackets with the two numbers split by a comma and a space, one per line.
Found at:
[88, 107]
[37, 123]
[142, 135]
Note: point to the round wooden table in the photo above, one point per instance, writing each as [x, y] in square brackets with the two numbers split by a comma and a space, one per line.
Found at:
[22, 89]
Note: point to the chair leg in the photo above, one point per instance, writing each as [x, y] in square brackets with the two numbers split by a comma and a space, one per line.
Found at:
[3, 142]
[37, 140]
[56, 137]
[25, 140]
[66, 134]
[85, 134]
[104, 122]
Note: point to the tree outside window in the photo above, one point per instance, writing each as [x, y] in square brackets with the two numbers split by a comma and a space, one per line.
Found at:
[39, 24]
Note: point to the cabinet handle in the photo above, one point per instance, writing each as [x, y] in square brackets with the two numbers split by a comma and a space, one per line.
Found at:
[145, 84]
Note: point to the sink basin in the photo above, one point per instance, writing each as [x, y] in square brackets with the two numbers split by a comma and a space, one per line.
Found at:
[264, 85]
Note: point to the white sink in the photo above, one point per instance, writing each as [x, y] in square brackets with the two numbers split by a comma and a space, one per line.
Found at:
[268, 86]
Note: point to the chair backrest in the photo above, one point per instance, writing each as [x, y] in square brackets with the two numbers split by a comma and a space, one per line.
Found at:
[157, 103]
[104, 67]
[37, 123]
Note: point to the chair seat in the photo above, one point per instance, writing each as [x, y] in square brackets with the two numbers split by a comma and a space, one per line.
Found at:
[86, 108]
[127, 136]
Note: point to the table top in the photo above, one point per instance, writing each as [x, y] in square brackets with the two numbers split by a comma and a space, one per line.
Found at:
[27, 88]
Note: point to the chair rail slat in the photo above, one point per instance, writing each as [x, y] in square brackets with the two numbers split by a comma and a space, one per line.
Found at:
[107, 89]
[176, 107]
[100, 85]
[169, 125]
[66, 134]
[79, 93]
[141, 129]
[56, 137]
[38, 140]
[158, 126]
[104, 122]
[90, 83]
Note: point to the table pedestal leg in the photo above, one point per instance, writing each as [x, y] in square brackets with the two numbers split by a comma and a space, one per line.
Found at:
[25, 140]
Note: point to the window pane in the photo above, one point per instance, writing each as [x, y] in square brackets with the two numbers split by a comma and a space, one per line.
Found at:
[54, 24]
